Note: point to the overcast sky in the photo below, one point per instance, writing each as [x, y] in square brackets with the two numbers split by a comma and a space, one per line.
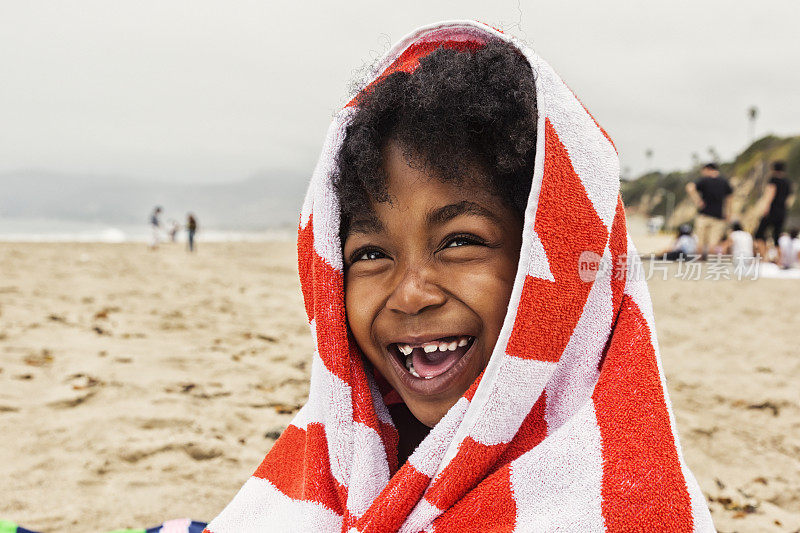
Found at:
[201, 90]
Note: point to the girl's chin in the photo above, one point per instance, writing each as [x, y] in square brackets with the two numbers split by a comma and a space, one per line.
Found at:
[428, 415]
[431, 412]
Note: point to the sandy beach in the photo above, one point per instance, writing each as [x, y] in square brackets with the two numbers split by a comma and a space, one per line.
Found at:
[138, 386]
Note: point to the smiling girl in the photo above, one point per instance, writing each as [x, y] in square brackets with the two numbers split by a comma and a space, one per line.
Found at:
[468, 375]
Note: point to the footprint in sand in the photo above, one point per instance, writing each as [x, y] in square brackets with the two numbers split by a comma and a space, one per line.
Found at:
[104, 312]
[164, 423]
[198, 452]
[88, 385]
[41, 358]
[100, 331]
[83, 381]
[201, 452]
[72, 402]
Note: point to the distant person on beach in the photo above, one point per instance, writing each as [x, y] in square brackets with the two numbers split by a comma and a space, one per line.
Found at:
[191, 229]
[794, 233]
[789, 249]
[684, 247]
[155, 227]
[739, 244]
[776, 200]
[711, 194]
[173, 230]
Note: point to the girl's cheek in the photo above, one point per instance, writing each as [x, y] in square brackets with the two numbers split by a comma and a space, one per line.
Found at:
[358, 308]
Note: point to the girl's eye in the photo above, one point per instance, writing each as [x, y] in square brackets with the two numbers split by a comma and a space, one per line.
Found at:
[461, 240]
[368, 255]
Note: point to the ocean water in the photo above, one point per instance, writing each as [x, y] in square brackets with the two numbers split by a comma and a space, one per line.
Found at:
[53, 230]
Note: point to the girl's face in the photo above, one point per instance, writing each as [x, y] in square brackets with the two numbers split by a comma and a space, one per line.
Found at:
[428, 276]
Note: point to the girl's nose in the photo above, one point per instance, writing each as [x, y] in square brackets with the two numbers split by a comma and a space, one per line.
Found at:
[414, 293]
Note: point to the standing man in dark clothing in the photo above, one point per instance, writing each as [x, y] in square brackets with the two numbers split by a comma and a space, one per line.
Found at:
[776, 201]
[711, 194]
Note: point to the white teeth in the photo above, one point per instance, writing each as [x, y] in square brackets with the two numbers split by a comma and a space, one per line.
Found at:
[430, 347]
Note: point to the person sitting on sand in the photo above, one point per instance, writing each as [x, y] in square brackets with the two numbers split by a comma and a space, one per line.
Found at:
[465, 376]
[789, 249]
[684, 247]
[739, 244]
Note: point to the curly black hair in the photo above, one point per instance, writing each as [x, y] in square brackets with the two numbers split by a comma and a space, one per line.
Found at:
[457, 111]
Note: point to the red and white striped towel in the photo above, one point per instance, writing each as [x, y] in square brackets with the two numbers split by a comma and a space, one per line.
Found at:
[570, 426]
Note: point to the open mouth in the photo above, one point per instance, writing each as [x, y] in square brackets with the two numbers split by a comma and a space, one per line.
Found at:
[427, 360]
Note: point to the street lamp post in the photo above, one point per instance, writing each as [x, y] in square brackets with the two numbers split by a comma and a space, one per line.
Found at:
[752, 115]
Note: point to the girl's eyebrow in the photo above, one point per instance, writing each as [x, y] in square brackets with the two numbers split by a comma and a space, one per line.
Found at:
[439, 216]
[365, 225]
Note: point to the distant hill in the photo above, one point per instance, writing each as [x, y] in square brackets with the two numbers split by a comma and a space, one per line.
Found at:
[748, 173]
[259, 202]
